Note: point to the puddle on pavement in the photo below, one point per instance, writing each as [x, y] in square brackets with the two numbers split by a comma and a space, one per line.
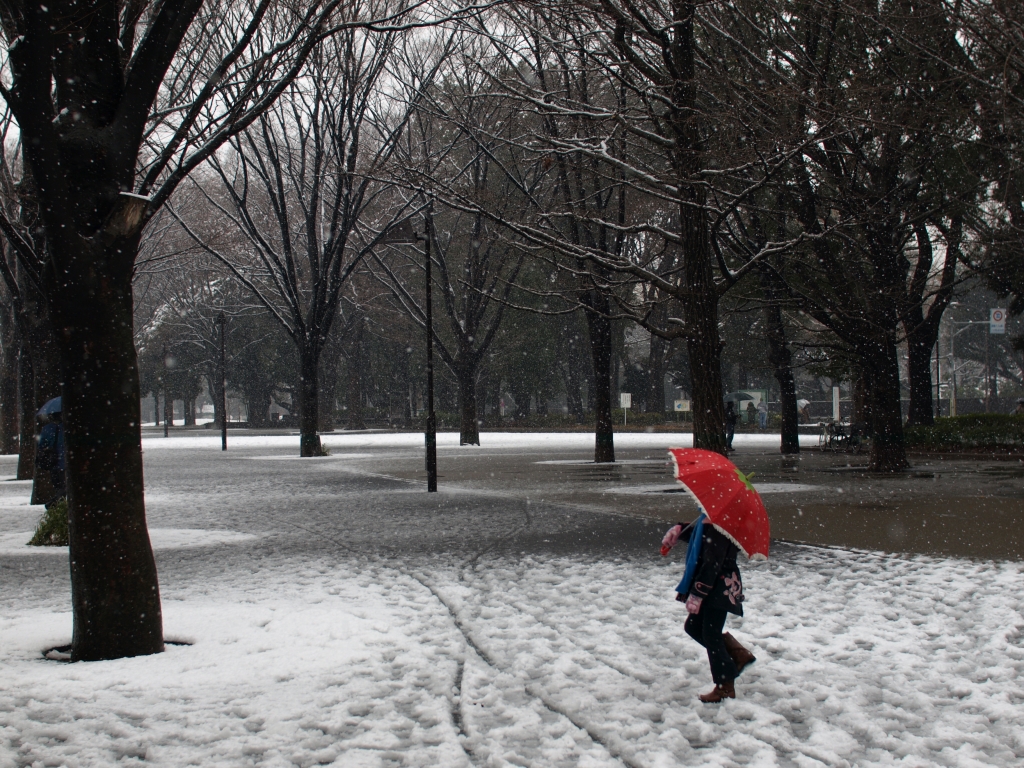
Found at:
[1003, 471]
[969, 526]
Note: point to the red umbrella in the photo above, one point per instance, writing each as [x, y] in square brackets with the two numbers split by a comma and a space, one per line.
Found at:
[726, 496]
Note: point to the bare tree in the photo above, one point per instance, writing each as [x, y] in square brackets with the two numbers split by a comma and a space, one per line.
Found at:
[456, 150]
[299, 183]
[123, 100]
[656, 135]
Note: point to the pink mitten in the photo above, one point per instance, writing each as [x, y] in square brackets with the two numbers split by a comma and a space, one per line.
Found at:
[671, 538]
[693, 603]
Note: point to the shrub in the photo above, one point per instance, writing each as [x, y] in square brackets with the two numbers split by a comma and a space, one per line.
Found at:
[52, 530]
[976, 430]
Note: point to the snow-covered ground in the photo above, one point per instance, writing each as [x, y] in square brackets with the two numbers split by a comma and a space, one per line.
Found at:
[321, 636]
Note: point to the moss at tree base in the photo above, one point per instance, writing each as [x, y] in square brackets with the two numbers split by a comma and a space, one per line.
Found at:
[52, 530]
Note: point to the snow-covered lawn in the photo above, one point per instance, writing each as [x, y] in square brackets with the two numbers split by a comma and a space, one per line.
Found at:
[317, 652]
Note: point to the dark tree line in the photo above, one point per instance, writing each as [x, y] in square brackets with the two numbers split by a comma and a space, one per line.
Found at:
[840, 166]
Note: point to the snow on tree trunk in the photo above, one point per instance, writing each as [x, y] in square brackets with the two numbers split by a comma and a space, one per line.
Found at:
[469, 428]
[600, 330]
[309, 404]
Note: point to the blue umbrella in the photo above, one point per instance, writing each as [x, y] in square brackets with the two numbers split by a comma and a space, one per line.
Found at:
[51, 407]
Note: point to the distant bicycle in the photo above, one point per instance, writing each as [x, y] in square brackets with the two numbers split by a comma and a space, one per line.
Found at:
[837, 436]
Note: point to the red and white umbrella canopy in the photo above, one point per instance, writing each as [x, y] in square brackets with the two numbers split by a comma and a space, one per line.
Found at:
[727, 498]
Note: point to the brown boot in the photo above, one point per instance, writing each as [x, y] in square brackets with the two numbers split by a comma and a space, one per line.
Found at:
[719, 693]
[741, 657]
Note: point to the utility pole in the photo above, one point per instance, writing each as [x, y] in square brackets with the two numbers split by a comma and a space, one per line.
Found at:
[222, 377]
[431, 435]
[403, 234]
[168, 404]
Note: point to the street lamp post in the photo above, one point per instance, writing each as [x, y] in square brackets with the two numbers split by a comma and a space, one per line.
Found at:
[223, 394]
[166, 394]
[431, 436]
[403, 234]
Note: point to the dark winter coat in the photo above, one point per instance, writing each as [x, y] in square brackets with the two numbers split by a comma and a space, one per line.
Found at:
[50, 448]
[718, 577]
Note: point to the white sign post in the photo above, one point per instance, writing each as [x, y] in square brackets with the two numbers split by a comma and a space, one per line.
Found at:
[625, 402]
[682, 405]
[835, 404]
[997, 322]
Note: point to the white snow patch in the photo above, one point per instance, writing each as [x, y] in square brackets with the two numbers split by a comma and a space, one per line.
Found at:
[160, 538]
[306, 651]
[313, 458]
[542, 441]
[862, 660]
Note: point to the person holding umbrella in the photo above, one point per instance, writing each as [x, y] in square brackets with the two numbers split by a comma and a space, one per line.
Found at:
[731, 417]
[732, 520]
[50, 446]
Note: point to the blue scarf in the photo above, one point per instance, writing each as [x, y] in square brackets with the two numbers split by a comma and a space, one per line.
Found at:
[692, 555]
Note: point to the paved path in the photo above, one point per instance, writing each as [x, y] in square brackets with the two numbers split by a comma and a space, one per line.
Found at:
[969, 507]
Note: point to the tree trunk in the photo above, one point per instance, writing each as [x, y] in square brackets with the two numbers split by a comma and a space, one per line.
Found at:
[189, 404]
[599, 327]
[168, 409]
[9, 392]
[781, 359]
[309, 403]
[657, 360]
[700, 304]
[920, 373]
[888, 450]
[114, 588]
[704, 349]
[920, 343]
[27, 410]
[469, 429]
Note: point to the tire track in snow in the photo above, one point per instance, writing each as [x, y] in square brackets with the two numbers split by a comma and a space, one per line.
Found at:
[530, 688]
[455, 708]
[533, 690]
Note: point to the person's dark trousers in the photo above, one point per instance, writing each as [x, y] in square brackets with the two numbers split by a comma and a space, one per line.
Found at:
[57, 480]
[706, 628]
[730, 433]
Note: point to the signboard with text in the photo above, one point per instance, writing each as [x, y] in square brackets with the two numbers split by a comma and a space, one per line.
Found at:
[997, 321]
[625, 399]
[682, 405]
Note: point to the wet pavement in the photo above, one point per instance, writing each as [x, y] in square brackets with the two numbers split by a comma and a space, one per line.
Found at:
[960, 506]
[539, 485]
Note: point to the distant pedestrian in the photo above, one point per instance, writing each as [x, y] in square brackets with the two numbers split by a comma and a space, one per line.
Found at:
[712, 590]
[50, 449]
[804, 407]
[762, 414]
[1019, 410]
[730, 424]
[751, 413]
